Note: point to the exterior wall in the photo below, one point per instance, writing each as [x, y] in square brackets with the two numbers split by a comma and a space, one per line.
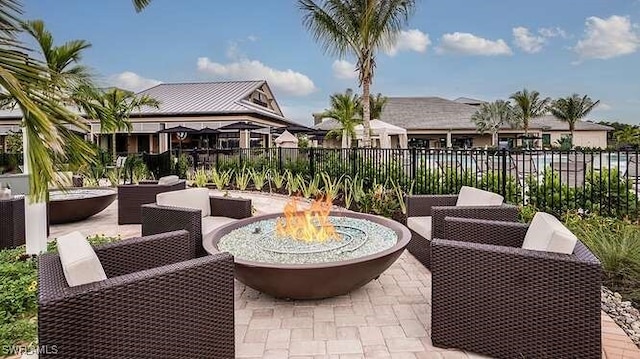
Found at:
[132, 144]
[590, 139]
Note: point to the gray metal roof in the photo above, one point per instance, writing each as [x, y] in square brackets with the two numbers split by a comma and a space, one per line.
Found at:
[206, 98]
[199, 98]
[435, 113]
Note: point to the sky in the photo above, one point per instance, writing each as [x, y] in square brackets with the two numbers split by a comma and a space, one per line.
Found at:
[485, 49]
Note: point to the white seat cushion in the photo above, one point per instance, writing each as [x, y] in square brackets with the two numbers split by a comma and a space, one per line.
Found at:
[79, 261]
[211, 224]
[546, 233]
[420, 225]
[470, 196]
[168, 180]
[195, 198]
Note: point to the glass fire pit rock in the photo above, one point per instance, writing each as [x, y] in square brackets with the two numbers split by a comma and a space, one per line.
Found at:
[259, 242]
[285, 268]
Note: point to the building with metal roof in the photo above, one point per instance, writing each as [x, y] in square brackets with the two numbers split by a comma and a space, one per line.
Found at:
[195, 105]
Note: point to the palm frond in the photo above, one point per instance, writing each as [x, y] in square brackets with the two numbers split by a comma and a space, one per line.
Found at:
[139, 5]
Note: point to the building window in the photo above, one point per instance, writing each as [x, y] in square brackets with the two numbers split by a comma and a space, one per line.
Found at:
[260, 99]
[546, 139]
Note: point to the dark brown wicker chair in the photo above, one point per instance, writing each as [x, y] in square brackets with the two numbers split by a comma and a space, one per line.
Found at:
[12, 224]
[441, 206]
[160, 219]
[131, 197]
[492, 297]
[159, 301]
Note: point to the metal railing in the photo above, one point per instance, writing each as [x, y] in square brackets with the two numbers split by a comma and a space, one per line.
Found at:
[606, 182]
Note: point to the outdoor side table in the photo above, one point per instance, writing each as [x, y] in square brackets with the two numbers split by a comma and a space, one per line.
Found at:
[12, 233]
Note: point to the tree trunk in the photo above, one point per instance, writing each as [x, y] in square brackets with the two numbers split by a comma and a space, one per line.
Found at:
[366, 112]
[113, 147]
[525, 123]
[572, 129]
[494, 139]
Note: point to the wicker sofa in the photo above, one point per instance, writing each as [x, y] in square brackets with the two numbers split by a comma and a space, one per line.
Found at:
[158, 301]
[132, 196]
[492, 296]
[426, 213]
[192, 210]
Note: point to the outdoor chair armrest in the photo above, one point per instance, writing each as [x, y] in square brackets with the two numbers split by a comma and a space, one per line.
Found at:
[482, 231]
[506, 296]
[230, 207]
[145, 314]
[420, 205]
[137, 254]
[504, 212]
[160, 219]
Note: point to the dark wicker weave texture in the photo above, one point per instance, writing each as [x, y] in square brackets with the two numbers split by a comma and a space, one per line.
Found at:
[507, 302]
[162, 303]
[12, 225]
[440, 206]
[132, 197]
[160, 219]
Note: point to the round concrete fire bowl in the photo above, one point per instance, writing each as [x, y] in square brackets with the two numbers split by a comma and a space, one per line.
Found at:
[366, 247]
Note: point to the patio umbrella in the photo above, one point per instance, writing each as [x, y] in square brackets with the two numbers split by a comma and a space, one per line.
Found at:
[294, 129]
[241, 126]
[180, 131]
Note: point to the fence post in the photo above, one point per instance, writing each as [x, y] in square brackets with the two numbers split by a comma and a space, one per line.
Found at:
[217, 160]
[354, 167]
[280, 159]
[312, 167]
[504, 173]
[414, 163]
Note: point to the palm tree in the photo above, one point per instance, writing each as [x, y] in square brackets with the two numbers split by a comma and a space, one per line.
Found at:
[27, 83]
[140, 4]
[627, 136]
[359, 28]
[346, 109]
[572, 109]
[112, 108]
[377, 104]
[491, 116]
[528, 105]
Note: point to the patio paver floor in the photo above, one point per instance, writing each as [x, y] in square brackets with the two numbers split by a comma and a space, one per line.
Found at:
[387, 318]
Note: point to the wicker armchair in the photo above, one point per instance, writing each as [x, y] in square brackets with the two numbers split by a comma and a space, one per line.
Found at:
[492, 297]
[159, 301]
[437, 207]
[159, 219]
[131, 197]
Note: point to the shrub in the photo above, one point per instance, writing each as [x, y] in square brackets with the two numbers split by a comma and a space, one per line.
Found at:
[607, 193]
[549, 194]
[616, 243]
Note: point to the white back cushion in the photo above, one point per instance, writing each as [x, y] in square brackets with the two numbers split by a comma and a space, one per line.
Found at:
[169, 180]
[79, 261]
[470, 196]
[546, 233]
[421, 225]
[195, 198]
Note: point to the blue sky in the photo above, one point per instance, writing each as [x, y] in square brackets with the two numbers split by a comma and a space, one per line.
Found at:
[483, 49]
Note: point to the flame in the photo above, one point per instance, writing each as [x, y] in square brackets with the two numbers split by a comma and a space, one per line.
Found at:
[311, 225]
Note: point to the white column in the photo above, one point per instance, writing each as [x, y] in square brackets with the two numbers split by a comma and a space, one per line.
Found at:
[163, 142]
[35, 214]
[449, 144]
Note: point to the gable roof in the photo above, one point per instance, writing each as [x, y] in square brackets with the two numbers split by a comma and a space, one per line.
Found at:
[435, 113]
[209, 98]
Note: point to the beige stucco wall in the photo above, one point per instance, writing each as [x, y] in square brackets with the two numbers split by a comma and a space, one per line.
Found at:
[597, 139]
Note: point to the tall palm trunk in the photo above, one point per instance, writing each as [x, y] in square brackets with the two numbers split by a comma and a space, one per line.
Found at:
[366, 112]
[113, 147]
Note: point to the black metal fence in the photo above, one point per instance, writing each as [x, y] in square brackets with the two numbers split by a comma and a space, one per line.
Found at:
[606, 182]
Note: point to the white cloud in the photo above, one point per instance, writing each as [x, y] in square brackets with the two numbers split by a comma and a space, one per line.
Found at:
[468, 44]
[411, 40]
[608, 38]
[131, 81]
[528, 42]
[252, 38]
[550, 32]
[344, 70]
[287, 81]
[604, 107]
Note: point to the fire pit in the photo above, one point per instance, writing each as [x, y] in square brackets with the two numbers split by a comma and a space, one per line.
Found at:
[77, 204]
[310, 254]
